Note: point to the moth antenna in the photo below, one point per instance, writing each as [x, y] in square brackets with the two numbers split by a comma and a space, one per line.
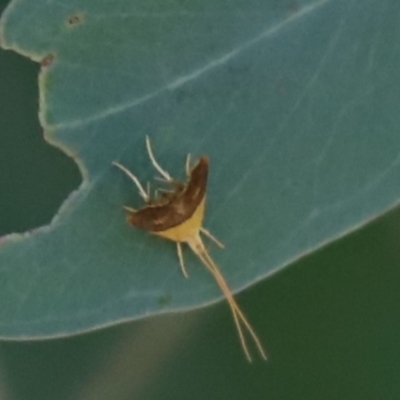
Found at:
[242, 338]
[135, 180]
[181, 262]
[197, 246]
[212, 237]
[243, 318]
[232, 305]
[187, 165]
[161, 171]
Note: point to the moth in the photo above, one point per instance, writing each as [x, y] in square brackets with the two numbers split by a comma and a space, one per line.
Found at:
[176, 213]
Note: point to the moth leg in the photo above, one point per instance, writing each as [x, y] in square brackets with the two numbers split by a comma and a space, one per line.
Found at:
[162, 172]
[158, 178]
[187, 165]
[129, 209]
[135, 180]
[212, 237]
[163, 192]
[148, 189]
[180, 256]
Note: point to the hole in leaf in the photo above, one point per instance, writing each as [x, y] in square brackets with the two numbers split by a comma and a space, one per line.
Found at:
[35, 177]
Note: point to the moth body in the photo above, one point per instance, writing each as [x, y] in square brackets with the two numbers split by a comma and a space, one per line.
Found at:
[177, 214]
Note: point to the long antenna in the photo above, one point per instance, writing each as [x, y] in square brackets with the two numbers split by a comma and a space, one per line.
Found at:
[198, 248]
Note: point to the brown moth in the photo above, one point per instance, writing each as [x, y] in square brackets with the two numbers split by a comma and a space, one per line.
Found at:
[177, 214]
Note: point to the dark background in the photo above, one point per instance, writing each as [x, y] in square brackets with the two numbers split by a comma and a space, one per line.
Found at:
[330, 322]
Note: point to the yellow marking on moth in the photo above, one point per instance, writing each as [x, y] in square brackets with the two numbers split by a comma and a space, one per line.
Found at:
[185, 231]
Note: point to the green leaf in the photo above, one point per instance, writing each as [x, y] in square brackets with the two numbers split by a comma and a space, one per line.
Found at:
[297, 108]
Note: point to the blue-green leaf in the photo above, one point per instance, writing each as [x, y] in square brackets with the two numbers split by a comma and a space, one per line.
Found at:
[296, 106]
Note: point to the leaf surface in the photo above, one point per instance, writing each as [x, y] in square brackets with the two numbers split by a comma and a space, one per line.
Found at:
[296, 104]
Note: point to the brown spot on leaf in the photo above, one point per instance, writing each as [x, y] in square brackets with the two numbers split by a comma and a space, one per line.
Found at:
[47, 60]
[164, 300]
[75, 19]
